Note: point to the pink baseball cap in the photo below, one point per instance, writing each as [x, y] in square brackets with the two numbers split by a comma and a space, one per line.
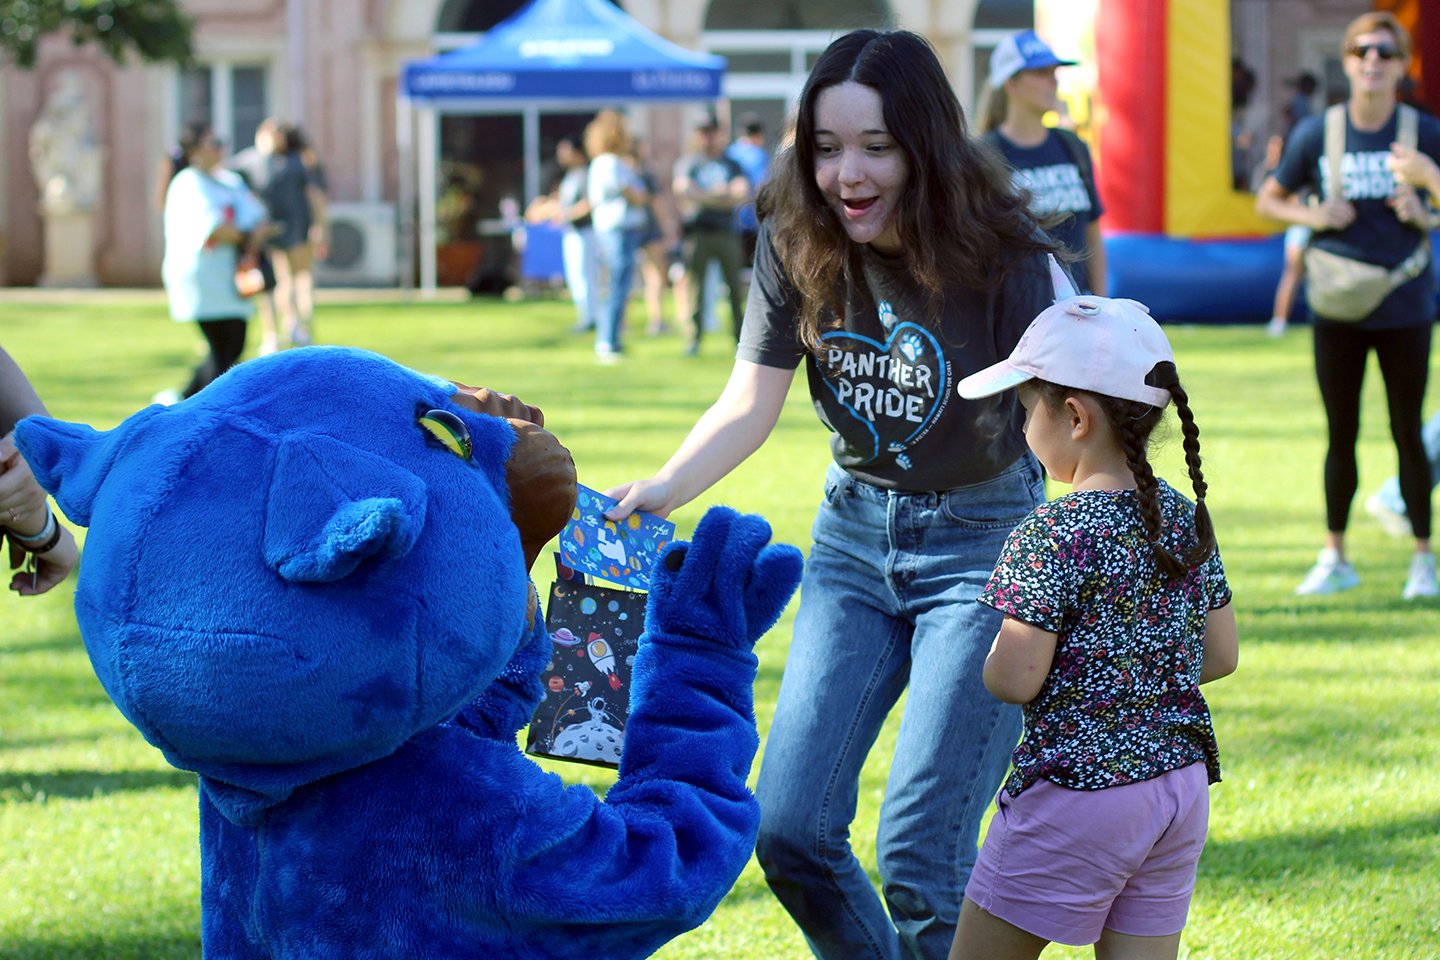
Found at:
[1089, 343]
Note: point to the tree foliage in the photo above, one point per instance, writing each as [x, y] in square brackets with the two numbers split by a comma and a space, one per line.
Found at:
[156, 30]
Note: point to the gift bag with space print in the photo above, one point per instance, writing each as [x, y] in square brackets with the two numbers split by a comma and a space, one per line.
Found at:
[594, 633]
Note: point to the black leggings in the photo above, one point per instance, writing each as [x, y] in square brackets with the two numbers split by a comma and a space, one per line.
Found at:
[1341, 352]
[227, 341]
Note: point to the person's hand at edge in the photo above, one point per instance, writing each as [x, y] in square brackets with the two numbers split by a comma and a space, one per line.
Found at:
[22, 500]
[51, 567]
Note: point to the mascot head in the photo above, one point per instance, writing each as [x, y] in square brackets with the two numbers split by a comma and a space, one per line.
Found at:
[296, 570]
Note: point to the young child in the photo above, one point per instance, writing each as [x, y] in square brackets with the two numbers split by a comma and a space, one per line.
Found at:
[1116, 610]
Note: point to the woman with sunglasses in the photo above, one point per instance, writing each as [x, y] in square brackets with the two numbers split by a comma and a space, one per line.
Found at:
[1375, 219]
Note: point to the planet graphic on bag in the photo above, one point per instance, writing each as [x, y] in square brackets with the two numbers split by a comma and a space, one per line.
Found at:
[593, 739]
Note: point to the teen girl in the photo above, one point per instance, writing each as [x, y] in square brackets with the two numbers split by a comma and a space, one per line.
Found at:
[893, 256]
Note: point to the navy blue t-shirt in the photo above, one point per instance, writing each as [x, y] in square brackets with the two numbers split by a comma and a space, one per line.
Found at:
[1376, 235]
[1056, 184]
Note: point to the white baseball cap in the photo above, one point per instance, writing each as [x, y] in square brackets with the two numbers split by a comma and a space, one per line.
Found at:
[1088, 343]
[1021, 51]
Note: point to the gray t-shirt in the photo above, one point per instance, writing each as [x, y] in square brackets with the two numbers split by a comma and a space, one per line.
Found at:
[884, 380]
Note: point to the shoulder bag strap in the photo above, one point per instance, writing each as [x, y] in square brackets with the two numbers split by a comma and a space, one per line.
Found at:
[1408, 134]
[1079, 153]
[1334, 149]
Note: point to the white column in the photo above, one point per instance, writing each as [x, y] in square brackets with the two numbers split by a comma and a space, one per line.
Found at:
[429, 158]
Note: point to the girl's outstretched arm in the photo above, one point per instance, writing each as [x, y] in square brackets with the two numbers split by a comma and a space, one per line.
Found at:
[733, 428]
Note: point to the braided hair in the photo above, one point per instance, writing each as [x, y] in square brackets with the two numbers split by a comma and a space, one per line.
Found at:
[1133, 422]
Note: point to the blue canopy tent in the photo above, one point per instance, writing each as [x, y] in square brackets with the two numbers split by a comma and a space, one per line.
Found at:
[556, 55]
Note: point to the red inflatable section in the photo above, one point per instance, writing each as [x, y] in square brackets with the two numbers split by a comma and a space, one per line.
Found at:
[1130, 47]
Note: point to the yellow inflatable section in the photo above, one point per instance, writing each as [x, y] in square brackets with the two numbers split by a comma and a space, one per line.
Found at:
[1199, 199]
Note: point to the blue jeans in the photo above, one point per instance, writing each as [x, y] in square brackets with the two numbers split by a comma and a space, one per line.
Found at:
[889, 600]
[617, 250]
[582, 274]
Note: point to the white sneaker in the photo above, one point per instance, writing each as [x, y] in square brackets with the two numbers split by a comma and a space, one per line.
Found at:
[1276, 327]
[166, 398]
[1392, 522]
[1329, 575]
[1420, 582]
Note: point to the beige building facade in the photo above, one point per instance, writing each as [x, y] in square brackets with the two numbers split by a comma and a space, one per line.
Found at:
[332, 67]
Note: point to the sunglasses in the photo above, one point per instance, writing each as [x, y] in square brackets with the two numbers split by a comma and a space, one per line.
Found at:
[1385, 51]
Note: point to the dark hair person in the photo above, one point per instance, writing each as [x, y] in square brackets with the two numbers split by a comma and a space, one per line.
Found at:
[894, 257]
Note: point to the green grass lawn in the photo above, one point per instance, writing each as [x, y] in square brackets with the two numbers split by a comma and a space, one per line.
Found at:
[1324, 834]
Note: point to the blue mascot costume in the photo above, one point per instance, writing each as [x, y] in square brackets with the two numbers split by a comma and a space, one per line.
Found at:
[306, 585]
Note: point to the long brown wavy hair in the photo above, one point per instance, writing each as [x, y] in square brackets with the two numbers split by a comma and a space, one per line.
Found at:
[1133, 423]
[958, 218]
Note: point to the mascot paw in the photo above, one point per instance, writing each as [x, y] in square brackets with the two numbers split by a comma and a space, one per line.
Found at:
[728, 585]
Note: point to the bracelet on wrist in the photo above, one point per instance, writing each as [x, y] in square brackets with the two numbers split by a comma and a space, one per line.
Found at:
[43, 541]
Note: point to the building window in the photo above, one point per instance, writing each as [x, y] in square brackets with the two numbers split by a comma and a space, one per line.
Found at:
[477, 16]
[798, 15]
[231, 97]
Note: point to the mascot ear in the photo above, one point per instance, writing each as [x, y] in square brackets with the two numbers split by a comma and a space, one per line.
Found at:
[72, 460]
[332, 505]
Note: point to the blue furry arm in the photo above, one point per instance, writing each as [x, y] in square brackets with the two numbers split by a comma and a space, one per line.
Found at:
[671, 836]
[679, 824]
[507, 704]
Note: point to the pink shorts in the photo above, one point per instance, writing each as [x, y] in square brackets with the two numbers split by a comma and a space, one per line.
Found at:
[1066, 864]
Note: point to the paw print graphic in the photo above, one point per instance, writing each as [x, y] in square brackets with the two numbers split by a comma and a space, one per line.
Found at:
[912, 347]
[903, 462]
[887, 315]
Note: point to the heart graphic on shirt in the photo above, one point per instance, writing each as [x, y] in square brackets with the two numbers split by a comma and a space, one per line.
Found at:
[891, 389]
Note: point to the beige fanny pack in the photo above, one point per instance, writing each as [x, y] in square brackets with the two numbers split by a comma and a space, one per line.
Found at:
[1337, 287]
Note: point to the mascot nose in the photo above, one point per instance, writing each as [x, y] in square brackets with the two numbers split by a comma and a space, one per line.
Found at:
[541, 477]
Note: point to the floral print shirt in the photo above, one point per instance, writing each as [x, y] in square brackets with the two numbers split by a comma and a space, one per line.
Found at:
[1122, 700]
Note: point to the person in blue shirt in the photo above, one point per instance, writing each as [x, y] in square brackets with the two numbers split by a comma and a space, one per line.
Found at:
[1052, 163]
[1373, 219]
[750, 152]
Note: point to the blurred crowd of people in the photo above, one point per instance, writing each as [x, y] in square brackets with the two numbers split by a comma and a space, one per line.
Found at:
[616, 222]
[260, 212]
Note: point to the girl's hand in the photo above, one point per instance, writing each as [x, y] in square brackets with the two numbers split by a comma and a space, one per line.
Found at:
[651, 496]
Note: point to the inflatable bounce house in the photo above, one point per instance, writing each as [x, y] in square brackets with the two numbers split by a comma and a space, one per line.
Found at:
[1178, 235]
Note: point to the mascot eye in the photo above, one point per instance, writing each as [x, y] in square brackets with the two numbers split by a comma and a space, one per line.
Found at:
[450, 430]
